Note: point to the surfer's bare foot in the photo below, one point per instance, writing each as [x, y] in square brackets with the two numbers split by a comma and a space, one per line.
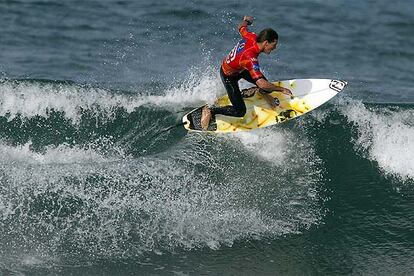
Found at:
[205, 118]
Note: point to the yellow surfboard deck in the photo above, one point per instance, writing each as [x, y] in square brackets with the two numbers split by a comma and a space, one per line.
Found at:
[308, 94]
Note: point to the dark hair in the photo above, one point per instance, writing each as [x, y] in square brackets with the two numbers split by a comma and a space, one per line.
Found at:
[267, 34]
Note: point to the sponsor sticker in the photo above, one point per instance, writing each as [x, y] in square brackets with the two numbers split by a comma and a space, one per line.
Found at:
[241, 45]
[337, 85]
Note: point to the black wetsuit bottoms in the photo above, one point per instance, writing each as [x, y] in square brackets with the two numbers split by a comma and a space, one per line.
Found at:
[231, 83]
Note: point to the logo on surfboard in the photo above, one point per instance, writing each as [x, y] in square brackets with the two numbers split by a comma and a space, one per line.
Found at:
[337, 85]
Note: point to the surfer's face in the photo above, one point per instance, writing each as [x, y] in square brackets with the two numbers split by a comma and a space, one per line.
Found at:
[269, 46]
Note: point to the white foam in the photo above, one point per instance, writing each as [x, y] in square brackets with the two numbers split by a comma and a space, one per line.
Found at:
[192, 91]
[30, 99]
[385, 135]
[291, 167]
[280, 147]
[157, 202]
[61, 154]
[269, 145]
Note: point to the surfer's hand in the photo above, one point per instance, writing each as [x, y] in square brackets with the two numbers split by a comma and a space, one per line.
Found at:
[248, 19]
[286, 91]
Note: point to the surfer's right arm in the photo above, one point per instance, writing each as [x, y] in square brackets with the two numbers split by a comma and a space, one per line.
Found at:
[247, 21]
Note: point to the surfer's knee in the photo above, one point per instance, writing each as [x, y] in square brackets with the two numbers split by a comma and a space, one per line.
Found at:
[240, 112]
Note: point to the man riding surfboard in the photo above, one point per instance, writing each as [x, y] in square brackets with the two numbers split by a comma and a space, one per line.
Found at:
[242, 63]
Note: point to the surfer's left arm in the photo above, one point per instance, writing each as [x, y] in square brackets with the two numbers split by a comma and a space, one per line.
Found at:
[269, 87]
[252, 65]
[266, 87]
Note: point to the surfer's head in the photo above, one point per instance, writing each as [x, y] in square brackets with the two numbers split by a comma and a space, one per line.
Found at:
[267, 40]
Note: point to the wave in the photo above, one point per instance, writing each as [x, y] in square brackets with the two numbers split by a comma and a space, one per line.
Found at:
[384, 134]
[30, 98]
[88, 173]
[48, 114]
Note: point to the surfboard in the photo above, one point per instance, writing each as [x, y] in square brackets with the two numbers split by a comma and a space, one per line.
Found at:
[307, 94]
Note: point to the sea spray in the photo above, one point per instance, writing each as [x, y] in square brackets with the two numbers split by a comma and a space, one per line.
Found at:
[385, 135]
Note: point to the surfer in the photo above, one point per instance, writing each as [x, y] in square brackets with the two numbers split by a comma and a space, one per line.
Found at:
[242, 63]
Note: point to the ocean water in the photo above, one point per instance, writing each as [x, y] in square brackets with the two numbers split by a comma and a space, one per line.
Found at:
[89, 186]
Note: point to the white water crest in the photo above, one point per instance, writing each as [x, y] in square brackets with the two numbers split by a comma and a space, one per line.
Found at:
[385, 134]
[33, 98]
[30, 99]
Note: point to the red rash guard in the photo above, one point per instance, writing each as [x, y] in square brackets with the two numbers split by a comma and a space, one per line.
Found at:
[243, 56]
